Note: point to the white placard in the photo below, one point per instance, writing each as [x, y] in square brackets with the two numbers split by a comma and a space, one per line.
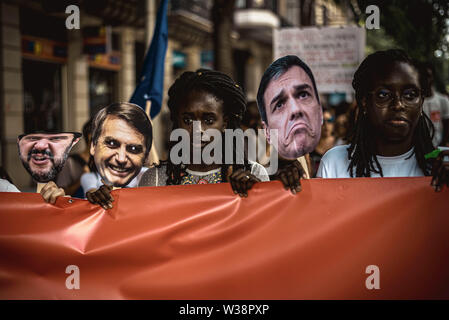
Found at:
[333, 53]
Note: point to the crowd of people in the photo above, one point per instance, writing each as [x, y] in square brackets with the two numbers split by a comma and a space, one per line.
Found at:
[398, 127]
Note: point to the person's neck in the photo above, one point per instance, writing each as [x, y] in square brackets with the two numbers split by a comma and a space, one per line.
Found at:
[325, 144]
[391, 149]
[203, 167]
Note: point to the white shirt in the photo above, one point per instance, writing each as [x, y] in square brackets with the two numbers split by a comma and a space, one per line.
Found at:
[92, 180]
[335, 162]
[6, 186]
[437, 109]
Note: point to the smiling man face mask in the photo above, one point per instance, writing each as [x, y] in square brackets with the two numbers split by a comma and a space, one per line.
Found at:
[121, 140]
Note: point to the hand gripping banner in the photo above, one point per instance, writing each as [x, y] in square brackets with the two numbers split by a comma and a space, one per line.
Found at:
[365, 238]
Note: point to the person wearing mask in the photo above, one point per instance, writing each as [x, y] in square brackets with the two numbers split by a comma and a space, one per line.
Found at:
[326, 142]
[199, 101]
[121, 141]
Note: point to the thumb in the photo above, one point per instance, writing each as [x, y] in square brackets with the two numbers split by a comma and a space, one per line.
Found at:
[229, 172]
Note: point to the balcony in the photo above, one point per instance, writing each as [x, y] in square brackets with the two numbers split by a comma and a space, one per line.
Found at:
[256, 19]
[189, 21]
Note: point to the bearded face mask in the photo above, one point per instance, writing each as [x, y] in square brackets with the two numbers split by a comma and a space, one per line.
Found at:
[44, 154]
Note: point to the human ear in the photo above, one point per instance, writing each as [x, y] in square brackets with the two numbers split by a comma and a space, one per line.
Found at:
[92, 149]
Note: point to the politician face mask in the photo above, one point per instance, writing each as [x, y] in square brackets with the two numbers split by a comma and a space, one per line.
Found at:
[44, 154]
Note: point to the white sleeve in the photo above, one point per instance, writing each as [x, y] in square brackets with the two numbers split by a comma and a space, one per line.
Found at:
[89, 181]
[322, 170]
[6, 186]
[334, 163]
[444, 107]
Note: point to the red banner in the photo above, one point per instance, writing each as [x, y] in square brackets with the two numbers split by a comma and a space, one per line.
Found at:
[379, 238]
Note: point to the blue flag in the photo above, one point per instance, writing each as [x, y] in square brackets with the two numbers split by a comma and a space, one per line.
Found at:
[151, 86]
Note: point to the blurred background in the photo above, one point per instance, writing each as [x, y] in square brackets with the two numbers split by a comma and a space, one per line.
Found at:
[56, 78]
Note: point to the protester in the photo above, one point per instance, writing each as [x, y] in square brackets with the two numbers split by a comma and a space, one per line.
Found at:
[436, 107]
[211, 100]
[7, 186]
[121, 142]
[288, 101]
[341, 129]
[5, 176]
[76, 165]
[49, 192]
[352, 114]
[43, 154]
[326, 142]
[392, 134]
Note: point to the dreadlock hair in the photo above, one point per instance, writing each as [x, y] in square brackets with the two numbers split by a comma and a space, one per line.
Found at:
[224, 89]
[362, 152]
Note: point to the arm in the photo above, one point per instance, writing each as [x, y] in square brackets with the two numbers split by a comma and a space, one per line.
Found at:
[445, 139]
[445, 121]
[6, 186]
[90, 181]
[440, 171]
[321, 172]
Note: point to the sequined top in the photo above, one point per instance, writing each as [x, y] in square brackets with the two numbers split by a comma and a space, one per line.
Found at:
[194, 177]
[157, 176]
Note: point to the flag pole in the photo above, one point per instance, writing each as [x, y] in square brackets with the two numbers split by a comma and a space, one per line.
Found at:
[39, 187]
[153, 158]
[148, 109]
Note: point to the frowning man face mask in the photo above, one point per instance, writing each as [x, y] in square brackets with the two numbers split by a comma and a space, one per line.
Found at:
[44, 154]
[292, 108]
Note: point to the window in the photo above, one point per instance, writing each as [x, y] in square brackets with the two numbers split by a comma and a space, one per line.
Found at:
[293, 12]
[102, 89]
[240, 4]
[42, 96]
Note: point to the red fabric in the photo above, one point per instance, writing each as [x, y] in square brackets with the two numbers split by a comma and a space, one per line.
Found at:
[204, 242]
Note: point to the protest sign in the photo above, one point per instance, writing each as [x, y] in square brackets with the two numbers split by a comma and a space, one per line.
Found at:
[332, 53]
[361, 238]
